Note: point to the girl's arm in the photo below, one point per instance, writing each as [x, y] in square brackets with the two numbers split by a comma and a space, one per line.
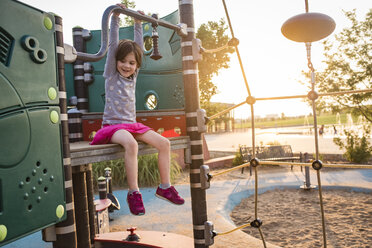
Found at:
[110, 66]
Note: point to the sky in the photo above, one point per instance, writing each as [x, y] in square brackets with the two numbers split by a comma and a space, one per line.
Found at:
[273, 64]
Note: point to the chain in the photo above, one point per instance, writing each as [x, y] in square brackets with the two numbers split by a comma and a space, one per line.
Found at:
[308, 51]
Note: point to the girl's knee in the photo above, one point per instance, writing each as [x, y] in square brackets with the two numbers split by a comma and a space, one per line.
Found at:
[130, 145]
[164, 144]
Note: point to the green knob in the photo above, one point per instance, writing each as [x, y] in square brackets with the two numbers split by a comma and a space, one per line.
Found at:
[60, 211]
[48, 23]
[52, 93]
[3, 232]
[54, 117]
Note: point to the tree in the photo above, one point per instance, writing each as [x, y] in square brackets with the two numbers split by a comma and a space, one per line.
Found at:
[128, 21]
[349, 67]
[212, 35]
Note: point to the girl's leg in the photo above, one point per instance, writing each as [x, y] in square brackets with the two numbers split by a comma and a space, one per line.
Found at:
[162, 144]
[126, 139]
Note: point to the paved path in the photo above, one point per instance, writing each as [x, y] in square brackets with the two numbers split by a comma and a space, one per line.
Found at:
[222, 197]
[297, 137]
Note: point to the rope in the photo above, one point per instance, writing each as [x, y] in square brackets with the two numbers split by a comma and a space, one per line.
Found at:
[291, 97]
[269, 162]
[321, 208]
[236, 48]
[235, 229]
[231, 169]
[216, 49]
[348, 166]
[262, 237]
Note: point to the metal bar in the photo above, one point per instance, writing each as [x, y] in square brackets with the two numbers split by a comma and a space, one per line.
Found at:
[66, 237]
[81, 208]
[191, 93]
[105, 29]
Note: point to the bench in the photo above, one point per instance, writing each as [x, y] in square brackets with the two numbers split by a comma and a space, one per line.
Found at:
[83, 153]
[268, 153]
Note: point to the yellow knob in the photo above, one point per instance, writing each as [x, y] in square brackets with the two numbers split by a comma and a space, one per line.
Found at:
[3, 232]
[52, 93]
[54, 117]
[48, 23]
[60, 211]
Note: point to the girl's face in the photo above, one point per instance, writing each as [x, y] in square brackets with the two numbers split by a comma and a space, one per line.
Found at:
[127, 66]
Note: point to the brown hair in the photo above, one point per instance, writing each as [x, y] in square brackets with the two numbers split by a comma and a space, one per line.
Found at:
[127, 46]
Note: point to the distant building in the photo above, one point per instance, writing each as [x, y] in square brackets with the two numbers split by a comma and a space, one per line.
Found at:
[225, 122]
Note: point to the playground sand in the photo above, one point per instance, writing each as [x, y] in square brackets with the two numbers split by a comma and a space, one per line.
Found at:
[292, 217]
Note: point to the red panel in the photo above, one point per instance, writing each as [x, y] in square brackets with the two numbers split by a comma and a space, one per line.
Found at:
[167, 125]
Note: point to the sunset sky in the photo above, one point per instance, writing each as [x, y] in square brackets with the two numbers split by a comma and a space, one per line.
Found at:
[272, 63]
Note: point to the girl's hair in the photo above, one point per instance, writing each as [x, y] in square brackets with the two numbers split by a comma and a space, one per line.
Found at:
[127, 46]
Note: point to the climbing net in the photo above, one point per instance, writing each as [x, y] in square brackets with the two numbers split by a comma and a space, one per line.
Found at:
[315, 34]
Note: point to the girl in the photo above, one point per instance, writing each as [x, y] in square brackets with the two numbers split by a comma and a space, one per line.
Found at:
[119, 124]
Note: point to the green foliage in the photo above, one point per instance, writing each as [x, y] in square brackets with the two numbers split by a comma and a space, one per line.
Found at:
[127, 20]
[148, 173]
[212, 36]
[348, 67]
[238, 159]
[358, 147]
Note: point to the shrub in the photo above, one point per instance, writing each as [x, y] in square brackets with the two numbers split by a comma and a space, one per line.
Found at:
[238, 159]
[358, 147]
[148, 173]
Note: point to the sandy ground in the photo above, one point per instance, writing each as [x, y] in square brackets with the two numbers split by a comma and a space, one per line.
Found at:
[292, 218]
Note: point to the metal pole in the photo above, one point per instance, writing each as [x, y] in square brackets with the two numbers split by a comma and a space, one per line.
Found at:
[191, 89]
[81, 90]
[66, 230]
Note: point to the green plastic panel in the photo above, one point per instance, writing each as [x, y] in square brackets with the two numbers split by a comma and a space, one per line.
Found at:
[163, 75]
[32, 192]
[31, 171]
[28, 67]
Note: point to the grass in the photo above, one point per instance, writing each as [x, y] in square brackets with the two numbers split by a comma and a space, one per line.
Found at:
[148, 173]
[324, 119]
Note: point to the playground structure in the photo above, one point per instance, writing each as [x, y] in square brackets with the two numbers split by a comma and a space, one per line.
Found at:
[52, 110]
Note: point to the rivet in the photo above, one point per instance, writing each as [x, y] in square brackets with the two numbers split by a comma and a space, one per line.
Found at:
[60, 211]
[48, 23]
[25, 196]
[52, 93]
[54, 117]
[3, 232]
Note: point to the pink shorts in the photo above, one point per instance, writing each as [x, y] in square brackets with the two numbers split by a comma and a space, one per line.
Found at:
[103, 136]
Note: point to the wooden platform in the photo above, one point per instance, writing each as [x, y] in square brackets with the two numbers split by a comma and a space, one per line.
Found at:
[82, 153]
[148, 239]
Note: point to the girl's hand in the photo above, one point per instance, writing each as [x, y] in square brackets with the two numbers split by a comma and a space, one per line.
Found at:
[142, 13]
[120, 5]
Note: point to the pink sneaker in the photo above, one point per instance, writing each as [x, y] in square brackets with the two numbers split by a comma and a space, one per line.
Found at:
[135, 203]
[170, 194]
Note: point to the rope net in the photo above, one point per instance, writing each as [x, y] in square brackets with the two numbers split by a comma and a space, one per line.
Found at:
[317, 164]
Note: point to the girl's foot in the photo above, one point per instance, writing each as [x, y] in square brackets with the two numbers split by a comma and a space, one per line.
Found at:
[170, 194]
[135, 203]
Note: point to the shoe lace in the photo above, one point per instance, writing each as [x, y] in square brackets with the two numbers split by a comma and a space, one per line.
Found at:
[137, 200]
[174, 191]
